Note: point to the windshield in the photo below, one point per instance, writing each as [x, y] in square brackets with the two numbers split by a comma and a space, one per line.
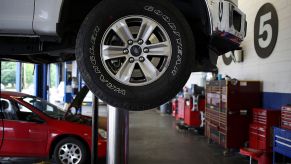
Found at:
[45, 107]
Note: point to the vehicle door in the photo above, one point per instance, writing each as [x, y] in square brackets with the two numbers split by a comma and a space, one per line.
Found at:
[3, 104]
[25, 133]
[16, 16]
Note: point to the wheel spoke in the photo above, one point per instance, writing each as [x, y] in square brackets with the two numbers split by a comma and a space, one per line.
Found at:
[159, 49]
[125, 72]
[112, 52]
[149, 70]
[63, 156]
[65, 148]
[70, 160]
[75, 158]
[146, 29]
[148, 46]
[122, 30]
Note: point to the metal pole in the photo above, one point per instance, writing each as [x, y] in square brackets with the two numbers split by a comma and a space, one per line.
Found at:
[38, 80]
[117, 141]
[18, 77]
[94, 152]
[44, 82]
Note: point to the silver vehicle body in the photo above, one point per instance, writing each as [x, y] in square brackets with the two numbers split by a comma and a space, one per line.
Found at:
[222, 17]
[29, 17]
[40, 17]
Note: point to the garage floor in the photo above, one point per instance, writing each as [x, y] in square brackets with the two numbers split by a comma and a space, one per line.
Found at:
[154, 139]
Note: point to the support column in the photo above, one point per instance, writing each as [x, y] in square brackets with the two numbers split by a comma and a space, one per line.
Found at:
[68, 84]
[18, 77]
[40, 80]
[94, 157]
[117, 141]
[80, 81]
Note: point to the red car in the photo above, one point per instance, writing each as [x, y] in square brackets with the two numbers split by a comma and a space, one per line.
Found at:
[32, 127]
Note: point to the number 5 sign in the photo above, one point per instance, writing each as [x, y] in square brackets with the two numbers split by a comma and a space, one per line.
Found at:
[266, 30]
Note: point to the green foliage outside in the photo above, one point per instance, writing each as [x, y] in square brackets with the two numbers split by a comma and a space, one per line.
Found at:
[53, 71]
[28, 75]
[8, 73]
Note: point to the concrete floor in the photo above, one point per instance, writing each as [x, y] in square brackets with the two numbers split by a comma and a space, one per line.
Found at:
[154, 139]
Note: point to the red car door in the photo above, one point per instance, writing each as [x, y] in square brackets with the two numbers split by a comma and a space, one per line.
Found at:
[1, 133]
[2, 105]
[24, 132]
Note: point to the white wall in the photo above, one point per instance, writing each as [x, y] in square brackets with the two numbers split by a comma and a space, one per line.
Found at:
[198, 78]
[274, 71]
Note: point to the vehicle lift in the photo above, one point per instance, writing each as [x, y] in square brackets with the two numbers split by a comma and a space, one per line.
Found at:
[117, 130]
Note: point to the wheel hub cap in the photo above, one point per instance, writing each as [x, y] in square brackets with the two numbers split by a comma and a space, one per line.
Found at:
[136, 50]
[70, 153]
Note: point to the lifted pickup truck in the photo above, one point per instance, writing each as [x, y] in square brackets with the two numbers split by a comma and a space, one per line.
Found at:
[132, 54]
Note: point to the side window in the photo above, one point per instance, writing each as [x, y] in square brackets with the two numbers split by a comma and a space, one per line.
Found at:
[13, 111]
[8, 110]
[25, 114]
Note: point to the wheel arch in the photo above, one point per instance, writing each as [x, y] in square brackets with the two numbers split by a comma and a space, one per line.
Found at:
[198, 16]
[57, 139]
[70, 20]
[196, 11]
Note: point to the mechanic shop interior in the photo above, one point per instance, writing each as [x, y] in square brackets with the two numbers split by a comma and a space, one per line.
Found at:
[145, 82]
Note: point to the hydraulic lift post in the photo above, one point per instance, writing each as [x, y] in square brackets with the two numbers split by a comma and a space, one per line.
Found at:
[94, 152]
[117, 139]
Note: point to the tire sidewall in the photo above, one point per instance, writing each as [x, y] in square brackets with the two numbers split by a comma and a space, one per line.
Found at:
[90, 58]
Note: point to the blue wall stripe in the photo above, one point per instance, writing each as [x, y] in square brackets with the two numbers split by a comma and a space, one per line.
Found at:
[273, 100]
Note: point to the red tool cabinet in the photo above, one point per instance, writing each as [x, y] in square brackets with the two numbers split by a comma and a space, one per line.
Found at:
[191, 118]
[260, 134]
[181, 108]
[174, 107]
[227, 107]
[286, 117]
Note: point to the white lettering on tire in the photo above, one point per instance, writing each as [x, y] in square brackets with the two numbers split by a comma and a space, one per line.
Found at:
[176, 33]
[96, 69]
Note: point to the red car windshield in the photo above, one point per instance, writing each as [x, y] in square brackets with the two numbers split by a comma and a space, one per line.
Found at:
[45, 107]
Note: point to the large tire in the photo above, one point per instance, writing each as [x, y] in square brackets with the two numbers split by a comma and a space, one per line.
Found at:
[154, 88]
[70, 151]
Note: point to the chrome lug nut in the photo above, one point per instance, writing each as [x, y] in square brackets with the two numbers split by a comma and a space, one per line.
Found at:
[130, 42]
[131, 59]
[141, 59]
[146, 50]
[140, 41]
[125, 51]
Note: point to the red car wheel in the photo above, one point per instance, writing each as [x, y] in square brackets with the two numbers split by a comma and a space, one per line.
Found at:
[70, 151]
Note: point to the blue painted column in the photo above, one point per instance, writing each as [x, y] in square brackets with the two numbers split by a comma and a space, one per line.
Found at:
[80, 81]
[40, 80]
[35, 79]
[48, 80]
[68, 98]
[80, 85]
[18, 77]
[45, 82]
